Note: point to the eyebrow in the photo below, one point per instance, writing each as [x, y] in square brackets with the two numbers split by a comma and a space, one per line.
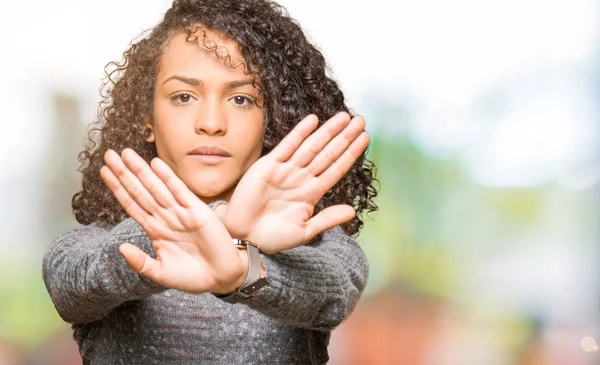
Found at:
[187, 80]
[195, 82]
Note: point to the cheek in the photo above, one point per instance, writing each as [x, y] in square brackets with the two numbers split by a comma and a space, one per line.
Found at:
[169, 125]
[255, 152]
[250, 147]
[255, 139]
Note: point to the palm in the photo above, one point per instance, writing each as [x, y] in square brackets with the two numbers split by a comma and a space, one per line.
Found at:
[193, 248]
[186, 256]
[285, 204]
[274, 202]
[179, 260]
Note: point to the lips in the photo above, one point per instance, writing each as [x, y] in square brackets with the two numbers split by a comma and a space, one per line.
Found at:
[209, 151]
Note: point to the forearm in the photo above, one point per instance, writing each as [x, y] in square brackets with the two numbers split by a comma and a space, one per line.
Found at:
[86, 276]
[314, 286]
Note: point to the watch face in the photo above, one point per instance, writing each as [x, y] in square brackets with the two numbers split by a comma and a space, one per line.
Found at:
[238, 243]
[255, 287]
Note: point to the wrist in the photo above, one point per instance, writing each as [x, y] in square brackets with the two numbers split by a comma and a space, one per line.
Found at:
[245, 268]
[244, 264]
[252, 266]
[239, 280]
[220, 209]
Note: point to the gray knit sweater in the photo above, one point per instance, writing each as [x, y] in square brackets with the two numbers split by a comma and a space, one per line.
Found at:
[121, 317]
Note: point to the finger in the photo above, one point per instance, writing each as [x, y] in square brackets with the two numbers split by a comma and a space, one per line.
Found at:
[328, 218]
[153, 184]
[340, 167]
[336, 147]
[288, 145]
[130, 182]
[178, 189]
[191, 212]
[319, 139]
[140, 262]
[132, 208]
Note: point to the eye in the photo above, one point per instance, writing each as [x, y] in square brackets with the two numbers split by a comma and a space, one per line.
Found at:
[182, 98]
[241, 100]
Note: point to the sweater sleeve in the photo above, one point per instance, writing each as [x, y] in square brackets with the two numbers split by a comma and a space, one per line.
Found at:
[87, 277]
[314, 286]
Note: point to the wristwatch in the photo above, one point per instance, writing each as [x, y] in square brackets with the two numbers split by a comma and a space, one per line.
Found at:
[253, 283]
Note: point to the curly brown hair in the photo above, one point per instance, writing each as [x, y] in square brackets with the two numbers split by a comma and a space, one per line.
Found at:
[293, 82]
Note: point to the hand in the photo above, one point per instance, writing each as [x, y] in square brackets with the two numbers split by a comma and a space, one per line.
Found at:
[273, 203]
[194, 252]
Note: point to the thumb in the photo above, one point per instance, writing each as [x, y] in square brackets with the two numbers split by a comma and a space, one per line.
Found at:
[139, 261]
[328, 218]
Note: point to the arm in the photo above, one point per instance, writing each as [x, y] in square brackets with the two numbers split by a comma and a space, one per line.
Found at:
[314, 286]
[86, 276]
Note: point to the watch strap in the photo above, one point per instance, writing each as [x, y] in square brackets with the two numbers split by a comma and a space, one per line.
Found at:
[252, 282]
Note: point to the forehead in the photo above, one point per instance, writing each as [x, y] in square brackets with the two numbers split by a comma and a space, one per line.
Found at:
[191, 52]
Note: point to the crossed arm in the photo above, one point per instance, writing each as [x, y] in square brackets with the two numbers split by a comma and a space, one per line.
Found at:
[176, 241]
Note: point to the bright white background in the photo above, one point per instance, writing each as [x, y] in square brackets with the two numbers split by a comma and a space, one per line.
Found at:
[439, 56]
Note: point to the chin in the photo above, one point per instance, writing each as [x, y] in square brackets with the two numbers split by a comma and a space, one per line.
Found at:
[209, 184]
[207, 193]
[209, 188]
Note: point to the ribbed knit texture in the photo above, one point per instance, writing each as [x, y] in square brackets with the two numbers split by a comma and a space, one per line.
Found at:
[121, 317]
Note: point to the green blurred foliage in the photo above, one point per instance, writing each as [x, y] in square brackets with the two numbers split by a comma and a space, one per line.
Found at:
[432, 216]
[27, 315]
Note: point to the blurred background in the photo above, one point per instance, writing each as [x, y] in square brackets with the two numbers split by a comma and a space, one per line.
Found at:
[484, 117]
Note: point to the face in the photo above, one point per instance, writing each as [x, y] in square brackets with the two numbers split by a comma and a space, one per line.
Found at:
[207, 122]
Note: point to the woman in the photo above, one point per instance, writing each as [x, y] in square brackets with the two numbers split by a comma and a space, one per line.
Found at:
[216, 109]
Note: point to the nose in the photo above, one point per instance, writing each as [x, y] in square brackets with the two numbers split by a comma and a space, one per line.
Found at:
[211, 119]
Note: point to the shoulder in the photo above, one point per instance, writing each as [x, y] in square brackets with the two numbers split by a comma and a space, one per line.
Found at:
[335, 235]
[97, 230]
